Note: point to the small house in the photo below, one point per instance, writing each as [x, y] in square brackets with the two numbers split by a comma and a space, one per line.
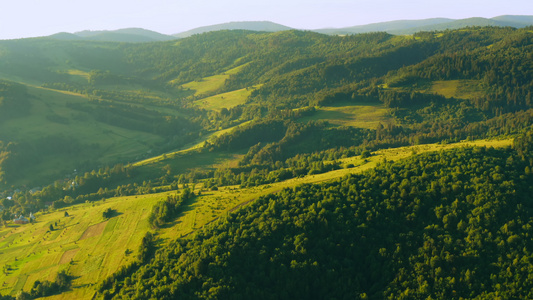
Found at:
[21, 220]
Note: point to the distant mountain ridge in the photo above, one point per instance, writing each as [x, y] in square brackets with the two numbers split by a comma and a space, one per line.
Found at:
[129, 35]
[412, 26]
[399, 27]
[253, 26]
[385, 26]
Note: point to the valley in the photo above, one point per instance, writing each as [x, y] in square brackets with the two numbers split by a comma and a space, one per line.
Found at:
[158, 169]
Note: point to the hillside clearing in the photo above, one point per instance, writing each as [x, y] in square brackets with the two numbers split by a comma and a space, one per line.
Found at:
[463, 89]
[210, 84]
[187, 148]
[358, 115]
[225, 100]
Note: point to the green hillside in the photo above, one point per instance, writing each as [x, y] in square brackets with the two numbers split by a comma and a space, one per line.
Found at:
[84, 243]
[197, 139]
[402, 230]
[91, 247]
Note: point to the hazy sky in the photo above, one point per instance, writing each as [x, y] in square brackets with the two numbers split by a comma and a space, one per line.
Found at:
[29, 18]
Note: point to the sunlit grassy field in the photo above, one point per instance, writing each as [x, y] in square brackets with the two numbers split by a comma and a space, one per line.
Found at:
[358, 115]
[211, 83]
[85, 244]
[463, 89]
[225, 100]
[160, 159]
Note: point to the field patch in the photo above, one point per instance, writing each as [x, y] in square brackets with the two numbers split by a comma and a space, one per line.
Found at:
[94, 230]
[187, 148]
[182, 163]
[225, 100]
[95, 247]
[207, 84]
[68, 256]
[463, 89]
[81, 76]
[210, 84]
[359, 115]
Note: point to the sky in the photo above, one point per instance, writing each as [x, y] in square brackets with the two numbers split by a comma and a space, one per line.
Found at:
[31, 18]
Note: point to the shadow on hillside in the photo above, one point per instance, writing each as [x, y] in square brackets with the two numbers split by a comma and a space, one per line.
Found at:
[185, 207]
[111, 213]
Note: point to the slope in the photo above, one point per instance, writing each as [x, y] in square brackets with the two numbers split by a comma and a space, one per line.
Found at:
[85, 239]
[402, 230]
[82, 242]
[62, 132]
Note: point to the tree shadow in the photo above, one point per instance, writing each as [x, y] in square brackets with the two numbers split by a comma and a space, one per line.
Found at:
[185, 207]
[111, 213]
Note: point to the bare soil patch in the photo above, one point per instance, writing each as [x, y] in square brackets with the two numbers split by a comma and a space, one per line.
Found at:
[94, 230]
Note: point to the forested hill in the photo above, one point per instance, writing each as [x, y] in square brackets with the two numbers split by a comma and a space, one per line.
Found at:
[296, 68]
[179, 133]
[446, 225]
[429, 87]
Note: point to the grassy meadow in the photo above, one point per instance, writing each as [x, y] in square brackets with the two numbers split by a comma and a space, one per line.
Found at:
[210, 84]
[164, 158]
[205, 88]
[355, 115]
[225, 100]
[462, 89]
[85, 244]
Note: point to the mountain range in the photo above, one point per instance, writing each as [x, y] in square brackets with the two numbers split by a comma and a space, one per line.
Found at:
[399, 27]
[131, 35]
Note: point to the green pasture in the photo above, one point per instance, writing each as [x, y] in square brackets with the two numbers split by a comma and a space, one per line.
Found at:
[210, 84]
[225, 100]
[78, 76]
[355, 115]
[180, 163]
[160, 159]
[206, 85]
[85, 244]
[462, 89]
